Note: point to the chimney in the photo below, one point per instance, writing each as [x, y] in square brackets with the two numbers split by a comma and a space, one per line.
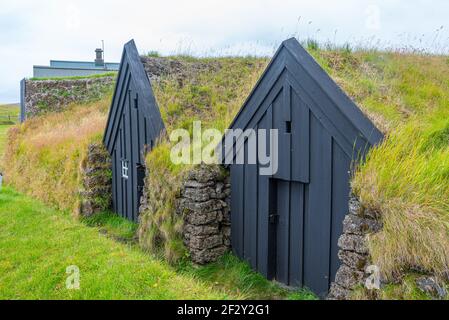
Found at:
[99, 62]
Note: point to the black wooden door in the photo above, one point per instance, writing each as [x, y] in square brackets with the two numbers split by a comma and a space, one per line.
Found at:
[286, 223]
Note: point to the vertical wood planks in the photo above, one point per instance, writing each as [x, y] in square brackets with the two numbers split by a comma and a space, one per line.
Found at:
[296, 227]
[318, 217]
[250, 209]
[340, 197]
[263, 205]
[300, 139]
[282, 236]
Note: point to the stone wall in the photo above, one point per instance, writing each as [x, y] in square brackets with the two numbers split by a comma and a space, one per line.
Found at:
[353, 253]
[96, 170]
[42, 96]
[204, 202]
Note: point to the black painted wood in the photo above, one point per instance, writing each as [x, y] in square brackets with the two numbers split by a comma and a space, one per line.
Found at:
[134, 124]
[250, 220]
[280, 111]
[321, 132]
[334, 92]
[263, 187]
[318, 217]
[296, 226]
[300, 140]
[282, 232]
[340, 197]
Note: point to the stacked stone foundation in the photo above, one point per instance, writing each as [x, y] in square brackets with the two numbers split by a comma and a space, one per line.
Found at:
[353, 250]
[204, 202]
[96, 192]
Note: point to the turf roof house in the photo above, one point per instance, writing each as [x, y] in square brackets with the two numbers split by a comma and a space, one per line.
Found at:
[287, 225]
[134, 123]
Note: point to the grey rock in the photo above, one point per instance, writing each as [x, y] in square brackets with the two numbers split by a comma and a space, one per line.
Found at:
[358, 225]
[203, 217]
[354, 205]
[204, 230]
[337, 292]
[354, 253]
[207, 255]
[348, 278]
[353, 259]
[203, 201]
[196, 184]
[353, 242]
[206, 242]
[198, 195]
[43, 96]
[431, 286]
[208, 206]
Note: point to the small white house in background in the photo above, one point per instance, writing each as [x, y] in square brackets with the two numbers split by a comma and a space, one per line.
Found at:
[63, 68]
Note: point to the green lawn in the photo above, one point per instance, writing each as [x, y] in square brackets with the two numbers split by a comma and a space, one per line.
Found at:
[38, 244]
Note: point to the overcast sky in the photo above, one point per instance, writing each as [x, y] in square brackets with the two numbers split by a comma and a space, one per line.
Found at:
[33, 32]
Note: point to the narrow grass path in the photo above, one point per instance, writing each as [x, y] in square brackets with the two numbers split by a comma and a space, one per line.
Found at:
[37, 244]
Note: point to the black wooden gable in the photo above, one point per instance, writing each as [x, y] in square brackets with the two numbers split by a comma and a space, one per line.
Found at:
[133, 127]
[286, 224]
[294, 74]
[132, 77]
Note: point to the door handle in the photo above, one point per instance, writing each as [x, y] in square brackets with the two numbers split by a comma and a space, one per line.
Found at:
[273, 218]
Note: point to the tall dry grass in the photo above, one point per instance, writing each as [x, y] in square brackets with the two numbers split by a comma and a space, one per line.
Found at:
[43, 156]
[407, 179]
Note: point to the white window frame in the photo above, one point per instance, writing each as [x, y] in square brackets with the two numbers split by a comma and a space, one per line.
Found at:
[125, 168]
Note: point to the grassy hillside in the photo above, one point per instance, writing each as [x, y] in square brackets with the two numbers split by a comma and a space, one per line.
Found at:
[407, 180]
[44, 154]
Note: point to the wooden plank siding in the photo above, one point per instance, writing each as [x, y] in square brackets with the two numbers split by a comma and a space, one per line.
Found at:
[286, 225]
[134, 124]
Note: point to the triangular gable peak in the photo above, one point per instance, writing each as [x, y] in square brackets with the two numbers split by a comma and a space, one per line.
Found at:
[133, 89]
[297, 75]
